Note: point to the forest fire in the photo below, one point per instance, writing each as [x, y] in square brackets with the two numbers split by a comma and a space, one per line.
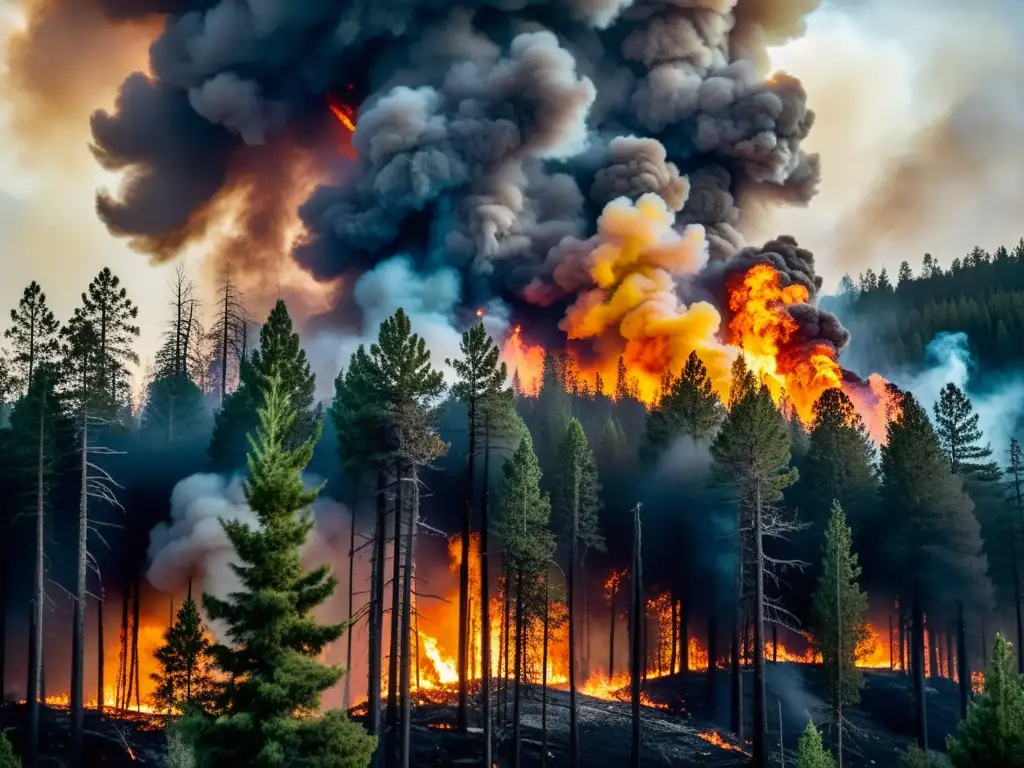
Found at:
[715, 738]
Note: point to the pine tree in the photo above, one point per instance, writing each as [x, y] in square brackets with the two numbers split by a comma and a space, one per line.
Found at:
[992, 734]
[751, 453]
[184, 659]
[522, 525]
[227, 336]
[905, 275]
[956, 425]
[810, 752]
[690, 407]
[401, 389]
[838, 618]
[838, 465]
[266, 709]
[7, 757]
[577, 503]
[279, 351]
[936, 540]
[34, 337]
[481, 376]
[111, 315]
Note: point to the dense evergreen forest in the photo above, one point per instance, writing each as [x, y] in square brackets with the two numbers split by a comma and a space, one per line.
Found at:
[895, 316]
[752, 521]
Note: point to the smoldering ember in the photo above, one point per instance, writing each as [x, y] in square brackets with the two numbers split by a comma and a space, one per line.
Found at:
[439, 398]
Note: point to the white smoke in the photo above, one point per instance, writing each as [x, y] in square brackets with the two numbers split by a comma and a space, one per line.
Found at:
[998, 400]
[193, 544]
[430, 300]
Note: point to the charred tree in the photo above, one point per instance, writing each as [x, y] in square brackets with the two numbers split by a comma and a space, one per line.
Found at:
[376, 628]
[963, 668]
[396, 599]
[100, 676]
[517, 731]
[917, 662]
[347, 694]
[760, 696]
[38, 593]
[544, 675]
[636, 611]
[406, 744]
[485, 601]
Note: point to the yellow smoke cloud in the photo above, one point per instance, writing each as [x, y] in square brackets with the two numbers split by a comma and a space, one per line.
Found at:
[635, 268]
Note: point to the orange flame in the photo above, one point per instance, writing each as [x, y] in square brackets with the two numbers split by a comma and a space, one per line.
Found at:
[346, 116]
[714, 737]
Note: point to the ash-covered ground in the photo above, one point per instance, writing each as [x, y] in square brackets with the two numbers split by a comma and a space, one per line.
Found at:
[678, 731]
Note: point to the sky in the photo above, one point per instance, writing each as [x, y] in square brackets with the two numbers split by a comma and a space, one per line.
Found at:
[919, 114]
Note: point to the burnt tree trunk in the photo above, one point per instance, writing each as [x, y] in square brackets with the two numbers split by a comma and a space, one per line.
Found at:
[675, 634]
[950, 655]
[122, 658]
[78, 621]
[461, 720]
[100, 681]
[903, 637]
[712, 644]
[760, 695]
[135, 638]
[485, 603]
[35, 653]
[636, 611]
[347, 694]
[933, 648]
[396, 627]
[611, 633]
[517, 731]
[1016, 605]
[574, 733]
[506, 622]
[376, 619]
[544, 675]
[410, 542]
[736, 713]
[917, 661]
[684, 635]
[963, 669]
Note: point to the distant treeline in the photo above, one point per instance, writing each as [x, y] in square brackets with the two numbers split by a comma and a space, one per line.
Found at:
[981, 295]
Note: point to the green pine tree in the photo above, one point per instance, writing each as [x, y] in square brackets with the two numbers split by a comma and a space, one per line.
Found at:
[838, 615]
[956, 425]
[577, 491]
[33, 335]
[993, 732]
[810, 752]
[524, 511]
[838, 465]
[935, 544]
[111, 315]
[184, 678]
[7, 757]
[279, 351]
[173, 409]
[689, 407]
[268, 708]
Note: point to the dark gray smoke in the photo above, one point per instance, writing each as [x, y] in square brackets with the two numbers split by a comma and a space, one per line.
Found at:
[488, 131]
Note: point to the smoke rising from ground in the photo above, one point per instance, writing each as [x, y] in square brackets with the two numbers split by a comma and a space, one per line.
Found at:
[998, 400]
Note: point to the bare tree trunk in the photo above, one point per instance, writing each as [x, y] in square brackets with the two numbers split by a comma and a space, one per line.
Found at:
[760, 696]
[35, 653]
[675, 634]
[903, 636]
[933, 647]
[410, 543]
[736, 714]
[347, 694]
[585, 624]
[712, 697]
[396, 600]
[611, 633]
[78, 621]
[891, 655]
[917, 654]
[462, 662]
[950, 655]
[122, 658]
[506, 625]
[574, 733]
[544, 675]
[376, 623]
[100, 680]
[684, 635]
[775, 643]
[963, 669]
[517, 731]
[839, 657]
[485, 603]
[135, 639]
[636, 611]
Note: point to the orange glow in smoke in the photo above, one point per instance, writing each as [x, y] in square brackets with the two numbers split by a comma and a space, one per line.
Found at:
[345, 115]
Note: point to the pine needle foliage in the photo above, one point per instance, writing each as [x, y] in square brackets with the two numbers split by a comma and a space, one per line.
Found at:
[268, 710]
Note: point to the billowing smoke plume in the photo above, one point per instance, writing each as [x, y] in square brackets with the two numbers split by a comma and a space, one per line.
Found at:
[193, 544]
[487, 132]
